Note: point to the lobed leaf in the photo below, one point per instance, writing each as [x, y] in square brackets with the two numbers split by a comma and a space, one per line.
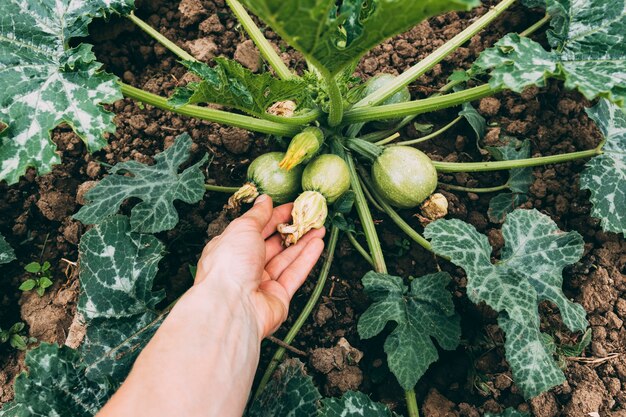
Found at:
[422, 312]
[230, 84]
[605, 175]
[6, 252]
[589, 52]
[509, 412]
[354, 404]
[333, 35]
[158, 186]
[529, 271]
[44, 82]
[117, 269]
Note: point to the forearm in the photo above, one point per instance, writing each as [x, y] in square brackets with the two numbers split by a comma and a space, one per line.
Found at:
[201, 362]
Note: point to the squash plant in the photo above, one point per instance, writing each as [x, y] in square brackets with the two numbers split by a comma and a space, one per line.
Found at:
[339, 127]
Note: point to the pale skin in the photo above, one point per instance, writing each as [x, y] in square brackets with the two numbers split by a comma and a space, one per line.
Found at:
[202, 360]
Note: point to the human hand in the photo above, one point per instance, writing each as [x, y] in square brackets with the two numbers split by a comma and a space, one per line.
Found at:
[248, 264]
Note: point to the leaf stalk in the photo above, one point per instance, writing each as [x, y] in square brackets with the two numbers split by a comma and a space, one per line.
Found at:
[156, 35]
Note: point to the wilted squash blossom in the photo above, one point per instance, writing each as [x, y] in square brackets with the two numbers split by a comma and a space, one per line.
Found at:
[283, 108]
[435, 207]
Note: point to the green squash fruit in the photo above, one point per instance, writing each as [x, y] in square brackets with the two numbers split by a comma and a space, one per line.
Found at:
[404, 176]
[327, 174]
[402, 96]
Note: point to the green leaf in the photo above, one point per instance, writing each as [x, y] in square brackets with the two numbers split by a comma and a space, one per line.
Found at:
[589, 53]
[33, 267]
[422, 312]
[344, 204]
[354, 404]
[475, 120]
[230, 84]
[117, 270]
[18, 342]
[291, 393]
[45, 266]
[509, 412]
[44, 82]
[530, 270]
[605, 175]
[6, 252]
[55, 386]
[156, 185]
[28, 285]
[519, 181]
[45, 282]
[17, 327]
[333, 37]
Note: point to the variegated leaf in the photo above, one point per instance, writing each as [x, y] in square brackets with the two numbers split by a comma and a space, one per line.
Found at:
[45, 82]
[6, 252]
[422, 313]
[605, 175]
[158, 186]
[529, 271]
[354, 404]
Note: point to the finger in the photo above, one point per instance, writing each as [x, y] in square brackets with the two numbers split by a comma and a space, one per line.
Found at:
[281, 214]
[260, 213]
[273, 246]
[278, 264]
[293, 277]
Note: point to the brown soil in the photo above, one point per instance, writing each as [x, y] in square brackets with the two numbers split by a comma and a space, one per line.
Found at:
[35, 216]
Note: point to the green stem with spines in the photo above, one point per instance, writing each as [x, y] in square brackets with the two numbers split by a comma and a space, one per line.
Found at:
[260, 41]
[306, 311]
[409, 108]
[156, 35]
[367, 150]
[476, 190]
[429, 136]
[220, 189]
[217, 116]
[515, 163]
[355, 243]
[434, 58]
[335, 112]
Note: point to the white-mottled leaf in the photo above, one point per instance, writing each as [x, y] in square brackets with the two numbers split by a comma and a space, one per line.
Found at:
[605, 175]
[422, 313]
[156, 185]
[117, 269]
[354, 404]
[589, 41]
[6, 252]
[44, 82]
[509, 412]
[530, 270]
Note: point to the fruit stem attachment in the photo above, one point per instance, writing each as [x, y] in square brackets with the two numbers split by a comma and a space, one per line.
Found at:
[391, 111]
[220, 189]
[367, 150]
[205, 113]
[246, 194]
[430, 135]
[306, 312]
[434, 58]
[474, 190]
[265, 47]
[360, 248]
[515, 163]
[156, 35]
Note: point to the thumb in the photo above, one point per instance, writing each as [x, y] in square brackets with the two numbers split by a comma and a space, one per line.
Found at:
[261, 212]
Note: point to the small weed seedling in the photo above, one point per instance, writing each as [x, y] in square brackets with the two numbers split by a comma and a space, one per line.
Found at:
[41, 277]
[15, 338]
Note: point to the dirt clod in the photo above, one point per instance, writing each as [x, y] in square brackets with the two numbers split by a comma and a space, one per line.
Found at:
[248, 55]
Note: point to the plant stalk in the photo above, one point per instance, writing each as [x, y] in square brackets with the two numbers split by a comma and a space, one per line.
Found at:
[220, 189]
[306, 312]
[429, 136]
[474, 190]
[516, 163]
[410, 108]
[411, 403]
[156, 35]
[535, 27]
[266, 48]
[335, 115]
[360, 248]
[376, 136]
[217, 116]
[433, 59]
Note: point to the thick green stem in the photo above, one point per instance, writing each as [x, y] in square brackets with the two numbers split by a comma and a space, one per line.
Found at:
[217, 116]
[516, 163]
[355, 243]
[156, 35]
[370, 197]
[433, 59]
[391, 111]
[429, 136]
[335, 115]
[411, 403]
[260, 41]
[395, 217]
[472, 189]
[298, 120]
[306, 312]
[220, 189]
[367, 222]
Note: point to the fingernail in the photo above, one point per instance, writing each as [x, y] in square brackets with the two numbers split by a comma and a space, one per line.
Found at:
[261, 199]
